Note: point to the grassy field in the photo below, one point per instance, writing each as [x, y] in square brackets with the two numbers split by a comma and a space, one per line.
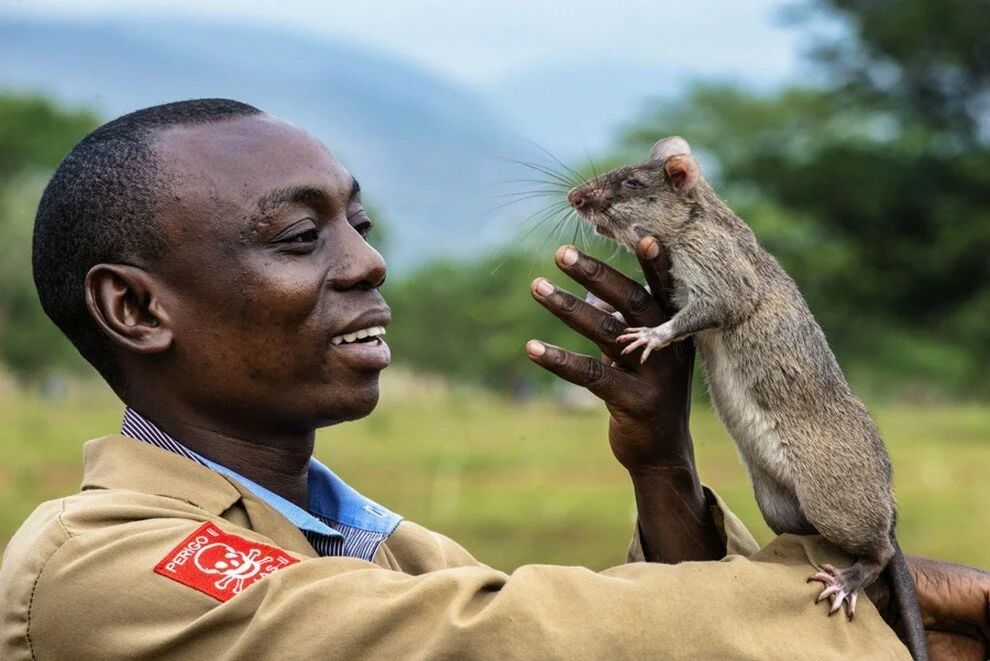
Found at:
[519, 484]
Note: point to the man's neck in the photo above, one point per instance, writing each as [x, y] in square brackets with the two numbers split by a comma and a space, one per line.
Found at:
[278, 463]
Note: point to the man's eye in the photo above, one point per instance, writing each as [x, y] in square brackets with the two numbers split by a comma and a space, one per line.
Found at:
[308, 236]
[633, 183]
[364, 228]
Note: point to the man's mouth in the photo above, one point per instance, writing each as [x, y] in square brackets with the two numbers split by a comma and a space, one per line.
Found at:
[363, 335]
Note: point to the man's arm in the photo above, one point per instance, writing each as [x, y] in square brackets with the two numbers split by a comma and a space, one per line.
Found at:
[955, 606]
[96, 596]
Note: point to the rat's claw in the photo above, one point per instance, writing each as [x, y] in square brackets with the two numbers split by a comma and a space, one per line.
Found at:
[651, 338]
[632, 334]
[837, 588]
[827, 579]
[635, 345]
[851, 605]
[646, 353]
[828, 592]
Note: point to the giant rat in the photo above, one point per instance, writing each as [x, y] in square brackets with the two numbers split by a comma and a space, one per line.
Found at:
[813, 453]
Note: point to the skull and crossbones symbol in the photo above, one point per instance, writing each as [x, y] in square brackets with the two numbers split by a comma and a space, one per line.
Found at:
[233, 566]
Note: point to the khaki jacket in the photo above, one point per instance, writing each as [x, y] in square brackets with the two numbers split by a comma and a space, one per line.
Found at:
[79, 581]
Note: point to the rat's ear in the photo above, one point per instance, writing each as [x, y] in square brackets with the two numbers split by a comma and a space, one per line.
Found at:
[123, 301]
[667, 147]
[682, 171]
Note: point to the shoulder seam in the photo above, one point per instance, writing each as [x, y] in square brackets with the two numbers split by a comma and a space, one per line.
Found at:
[440, 545]
[37, 579]
[61, 523]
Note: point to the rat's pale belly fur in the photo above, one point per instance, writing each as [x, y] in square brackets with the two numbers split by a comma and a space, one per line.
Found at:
[753, 431]
[762, 448]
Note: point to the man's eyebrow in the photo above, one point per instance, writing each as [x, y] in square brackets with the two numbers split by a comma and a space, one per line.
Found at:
[288, 195]
[355, 188]
[275, 198]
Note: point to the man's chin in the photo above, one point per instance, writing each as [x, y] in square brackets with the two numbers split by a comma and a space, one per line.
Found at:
[358, 403]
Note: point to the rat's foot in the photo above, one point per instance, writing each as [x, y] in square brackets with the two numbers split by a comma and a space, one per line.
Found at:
[651, 338]
[842, 585]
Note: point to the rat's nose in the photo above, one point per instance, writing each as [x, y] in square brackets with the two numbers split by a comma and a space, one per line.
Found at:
[577, 198]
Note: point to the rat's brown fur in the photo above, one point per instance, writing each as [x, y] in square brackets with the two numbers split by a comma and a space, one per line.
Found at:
[814, 454]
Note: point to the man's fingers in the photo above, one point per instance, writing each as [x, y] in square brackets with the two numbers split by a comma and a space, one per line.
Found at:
[591, 299]
[610, 384]
[655, 262]
[594, 323]
[621, 292]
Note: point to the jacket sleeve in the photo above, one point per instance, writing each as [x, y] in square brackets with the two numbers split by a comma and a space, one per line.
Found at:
[97, 597]
[735, 535]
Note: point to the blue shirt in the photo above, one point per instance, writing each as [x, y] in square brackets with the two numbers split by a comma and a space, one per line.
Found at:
[339, 521]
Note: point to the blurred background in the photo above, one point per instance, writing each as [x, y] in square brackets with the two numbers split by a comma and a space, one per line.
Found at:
[852, 135]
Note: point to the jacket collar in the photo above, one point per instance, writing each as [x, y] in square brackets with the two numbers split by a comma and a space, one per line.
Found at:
[119, 462]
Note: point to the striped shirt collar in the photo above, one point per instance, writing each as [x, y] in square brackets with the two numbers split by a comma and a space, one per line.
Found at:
[340, 521]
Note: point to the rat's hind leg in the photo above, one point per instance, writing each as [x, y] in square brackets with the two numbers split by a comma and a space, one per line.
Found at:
[778, 504]
[843, 585]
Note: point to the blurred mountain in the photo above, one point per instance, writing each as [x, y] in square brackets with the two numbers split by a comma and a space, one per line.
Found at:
[577, 109]
[425, 149]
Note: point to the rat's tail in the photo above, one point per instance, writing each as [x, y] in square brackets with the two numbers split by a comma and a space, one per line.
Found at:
[907, 603]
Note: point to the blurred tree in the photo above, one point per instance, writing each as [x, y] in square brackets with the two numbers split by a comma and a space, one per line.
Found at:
[471, 320]
[874, 193]
[927, 60]
[34, 136]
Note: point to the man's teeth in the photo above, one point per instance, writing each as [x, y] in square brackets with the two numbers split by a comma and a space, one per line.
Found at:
[374, 331]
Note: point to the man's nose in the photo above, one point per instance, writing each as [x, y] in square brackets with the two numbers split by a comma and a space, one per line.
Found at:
[359, 266]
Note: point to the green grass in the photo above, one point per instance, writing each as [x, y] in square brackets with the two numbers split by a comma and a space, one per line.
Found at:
[518, 484]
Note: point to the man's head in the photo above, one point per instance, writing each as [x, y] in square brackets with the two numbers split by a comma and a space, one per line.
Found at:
[101, 206]
[203, 254]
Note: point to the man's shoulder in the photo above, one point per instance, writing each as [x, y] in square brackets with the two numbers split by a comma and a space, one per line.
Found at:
[413, 549]
[79, 547]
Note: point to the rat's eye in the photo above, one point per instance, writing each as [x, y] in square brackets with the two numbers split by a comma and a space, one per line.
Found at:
[633, 183]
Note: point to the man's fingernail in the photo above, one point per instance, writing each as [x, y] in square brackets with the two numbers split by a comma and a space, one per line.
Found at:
[652, 248]
[535, 349]
[569, 257]
[544, 288]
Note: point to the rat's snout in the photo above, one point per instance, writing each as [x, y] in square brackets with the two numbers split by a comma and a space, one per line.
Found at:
[582, 198]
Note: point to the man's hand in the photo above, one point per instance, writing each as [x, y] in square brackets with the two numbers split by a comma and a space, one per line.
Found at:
[649, 403]
[955, 606]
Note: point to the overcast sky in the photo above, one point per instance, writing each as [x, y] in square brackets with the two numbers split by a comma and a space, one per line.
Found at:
[480, 43]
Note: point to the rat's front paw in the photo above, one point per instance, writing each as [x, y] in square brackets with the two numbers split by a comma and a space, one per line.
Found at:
[650, 338]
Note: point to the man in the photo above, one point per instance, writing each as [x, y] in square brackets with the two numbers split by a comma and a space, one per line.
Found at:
[210, 261]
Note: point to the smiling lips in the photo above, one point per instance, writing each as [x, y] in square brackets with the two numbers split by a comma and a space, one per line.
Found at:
[347, 338]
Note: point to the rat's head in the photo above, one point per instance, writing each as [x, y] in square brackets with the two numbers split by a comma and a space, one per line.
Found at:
[653, 198]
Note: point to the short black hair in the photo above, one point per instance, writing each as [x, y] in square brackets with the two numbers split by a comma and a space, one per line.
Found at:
[101, 206]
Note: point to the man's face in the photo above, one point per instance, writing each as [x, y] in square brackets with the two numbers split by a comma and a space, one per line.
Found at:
[267, 265]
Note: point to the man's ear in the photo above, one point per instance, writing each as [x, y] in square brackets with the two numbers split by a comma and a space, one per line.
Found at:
[124, 303]
[682, 171]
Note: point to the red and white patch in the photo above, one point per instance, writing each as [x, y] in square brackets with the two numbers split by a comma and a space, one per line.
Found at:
[219, 564]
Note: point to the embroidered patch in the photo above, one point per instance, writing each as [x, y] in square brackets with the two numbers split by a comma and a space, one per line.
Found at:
[219, 564]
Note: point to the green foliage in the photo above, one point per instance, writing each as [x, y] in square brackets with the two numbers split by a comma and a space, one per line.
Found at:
[471, 320]
[929, 60]
[34, 136]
